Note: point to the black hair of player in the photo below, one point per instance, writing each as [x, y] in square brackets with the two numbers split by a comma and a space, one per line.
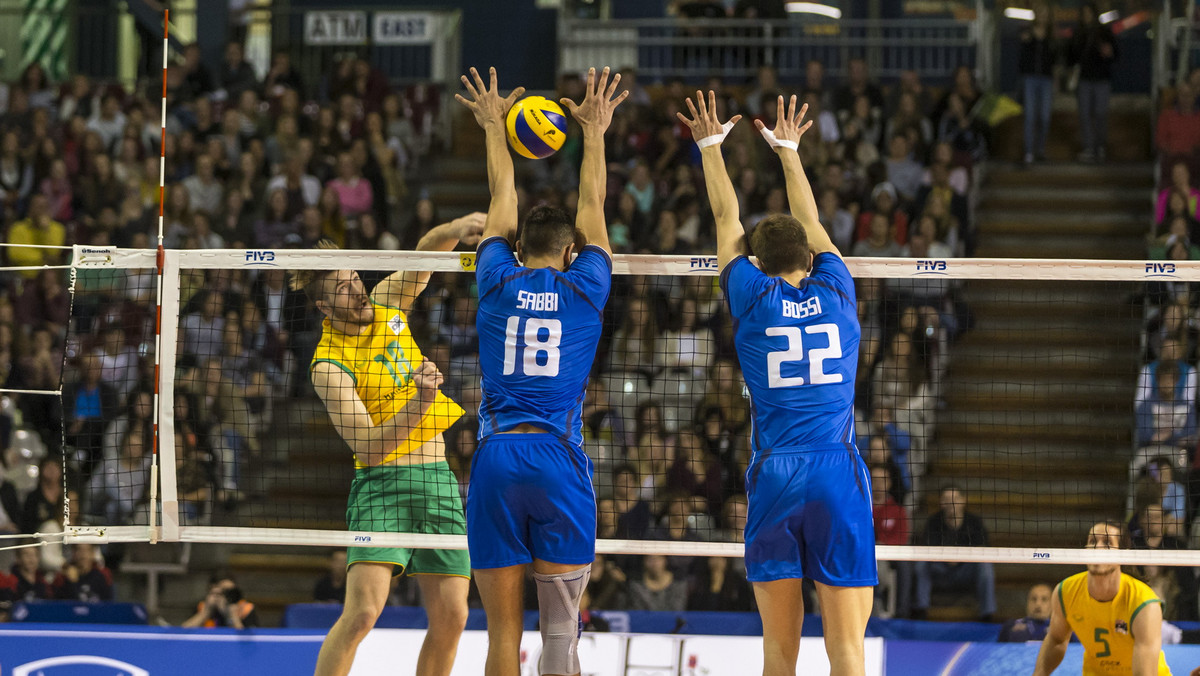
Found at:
[546, 231]
[780, 244]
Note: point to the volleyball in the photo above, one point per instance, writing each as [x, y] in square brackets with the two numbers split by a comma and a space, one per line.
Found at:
[537, 127]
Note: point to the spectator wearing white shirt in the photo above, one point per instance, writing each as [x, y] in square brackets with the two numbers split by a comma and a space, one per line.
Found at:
[903, 171]
[690, 345]
[205, 192]
[1170, 358]
[296, 183]
[108, 121]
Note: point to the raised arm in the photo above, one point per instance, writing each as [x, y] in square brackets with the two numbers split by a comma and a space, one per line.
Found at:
[1054, 646]
[1147, 639]
[709, 133]
[783, 139]
[490, 111]
[372, 443]
[594, 114]
[401, 288]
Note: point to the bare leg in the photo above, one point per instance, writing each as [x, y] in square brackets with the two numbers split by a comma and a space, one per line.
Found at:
[446, 604]
[366, 593]
[501, 590]
[844, 615]
[781, 605]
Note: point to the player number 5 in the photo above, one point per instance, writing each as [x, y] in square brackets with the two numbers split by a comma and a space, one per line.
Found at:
[535, 345]
[795, 352]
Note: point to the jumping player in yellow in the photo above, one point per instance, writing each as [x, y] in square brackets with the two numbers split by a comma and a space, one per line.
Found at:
[1117, 618]
[383, 398]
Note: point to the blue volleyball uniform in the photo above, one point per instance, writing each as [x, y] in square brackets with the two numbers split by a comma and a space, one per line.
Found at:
[530, 495]
[809, 491]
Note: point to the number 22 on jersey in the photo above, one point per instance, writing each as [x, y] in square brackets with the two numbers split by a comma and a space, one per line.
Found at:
[541, 337]
[795, 352]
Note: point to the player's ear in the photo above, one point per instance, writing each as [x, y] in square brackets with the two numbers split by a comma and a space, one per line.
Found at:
[811, 261]
[520, 253]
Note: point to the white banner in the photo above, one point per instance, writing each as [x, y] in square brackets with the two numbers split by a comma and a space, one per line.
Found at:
[394, 651]
[404, 28]
[335, 28]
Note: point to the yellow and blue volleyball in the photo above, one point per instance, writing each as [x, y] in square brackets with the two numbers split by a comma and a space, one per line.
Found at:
[537, 127]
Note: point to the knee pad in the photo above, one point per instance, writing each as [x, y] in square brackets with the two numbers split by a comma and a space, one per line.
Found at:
[558, 601]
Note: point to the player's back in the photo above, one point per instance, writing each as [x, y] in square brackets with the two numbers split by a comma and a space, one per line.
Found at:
[798, 348]
[538, 332]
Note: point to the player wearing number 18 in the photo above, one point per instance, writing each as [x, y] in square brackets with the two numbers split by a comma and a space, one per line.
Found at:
[796, 334]
[530, 499]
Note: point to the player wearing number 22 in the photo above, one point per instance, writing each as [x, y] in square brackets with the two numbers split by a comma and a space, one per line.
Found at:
[1117, 618]
[530, 499]
[796, 332]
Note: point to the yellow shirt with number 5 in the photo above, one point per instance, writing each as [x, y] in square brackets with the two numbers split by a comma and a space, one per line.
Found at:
[1105, 628]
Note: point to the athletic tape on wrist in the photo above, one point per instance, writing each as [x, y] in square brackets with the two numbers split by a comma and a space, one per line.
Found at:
[715, 138]
[777, 142]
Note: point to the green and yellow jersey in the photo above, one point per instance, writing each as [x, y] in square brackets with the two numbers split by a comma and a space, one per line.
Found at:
[1105, 628]
[381, 360]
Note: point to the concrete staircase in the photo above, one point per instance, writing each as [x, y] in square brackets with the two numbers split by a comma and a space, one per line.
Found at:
[1038, 420]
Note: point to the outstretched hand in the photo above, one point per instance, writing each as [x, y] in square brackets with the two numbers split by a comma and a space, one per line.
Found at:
[485, 101]
[704, 122]
[470, 227]
[595, 113]
[789, 126]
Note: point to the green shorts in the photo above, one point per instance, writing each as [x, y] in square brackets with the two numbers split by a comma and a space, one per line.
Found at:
[408, 499]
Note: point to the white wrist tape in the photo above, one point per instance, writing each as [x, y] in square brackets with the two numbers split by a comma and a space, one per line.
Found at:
[776, 142]
[716, 138]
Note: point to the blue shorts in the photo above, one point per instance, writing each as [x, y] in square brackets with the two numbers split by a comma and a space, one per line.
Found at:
[530, 497]
[810, 516]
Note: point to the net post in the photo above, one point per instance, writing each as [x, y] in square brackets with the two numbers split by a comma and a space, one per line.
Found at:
[167, 333]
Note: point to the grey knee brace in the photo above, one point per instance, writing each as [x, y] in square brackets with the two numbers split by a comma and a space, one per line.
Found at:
[558, 600]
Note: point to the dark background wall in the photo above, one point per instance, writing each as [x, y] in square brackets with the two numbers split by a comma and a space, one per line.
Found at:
[511, 35]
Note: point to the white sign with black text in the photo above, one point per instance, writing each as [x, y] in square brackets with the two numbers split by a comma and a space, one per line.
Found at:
[335, 28]
[404, 28]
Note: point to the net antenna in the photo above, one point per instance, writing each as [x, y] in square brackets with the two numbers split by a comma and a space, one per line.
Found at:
[158, 266]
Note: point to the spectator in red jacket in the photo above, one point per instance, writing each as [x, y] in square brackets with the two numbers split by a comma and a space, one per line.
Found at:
[1178, 128]
[891, 519]
[84, 578]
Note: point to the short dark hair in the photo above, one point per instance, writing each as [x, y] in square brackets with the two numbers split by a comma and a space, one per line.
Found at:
[780, 244]
[546, 230]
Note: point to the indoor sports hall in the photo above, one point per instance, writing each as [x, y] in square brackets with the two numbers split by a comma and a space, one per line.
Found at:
[253, 385]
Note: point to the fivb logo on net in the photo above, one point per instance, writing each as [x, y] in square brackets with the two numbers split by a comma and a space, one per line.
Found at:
[703, 263]
[1161, 270]
[931, 267]
[260, 257]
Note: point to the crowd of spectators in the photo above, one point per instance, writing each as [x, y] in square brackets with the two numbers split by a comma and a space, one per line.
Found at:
[282, 163]
[1164, 472]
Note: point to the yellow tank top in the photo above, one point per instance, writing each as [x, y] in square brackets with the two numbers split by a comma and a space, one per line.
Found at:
[381, 361]
[1106, 628]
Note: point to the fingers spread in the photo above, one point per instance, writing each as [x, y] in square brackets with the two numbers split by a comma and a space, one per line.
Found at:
[803, 112]
[478, 81]
[692, 107]
[591, 81]
[779, 109]
[700, 102]
[612, 86]
[792, 107]
[492, 70]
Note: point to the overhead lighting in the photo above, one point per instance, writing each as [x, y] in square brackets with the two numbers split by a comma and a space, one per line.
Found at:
[1110, 16]
[1019, 14]
[814, 8]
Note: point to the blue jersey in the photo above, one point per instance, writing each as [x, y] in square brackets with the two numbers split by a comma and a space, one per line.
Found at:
[538, 331]
[798, 349]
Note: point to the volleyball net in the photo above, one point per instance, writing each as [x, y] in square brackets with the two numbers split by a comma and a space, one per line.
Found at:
[1038, 396]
